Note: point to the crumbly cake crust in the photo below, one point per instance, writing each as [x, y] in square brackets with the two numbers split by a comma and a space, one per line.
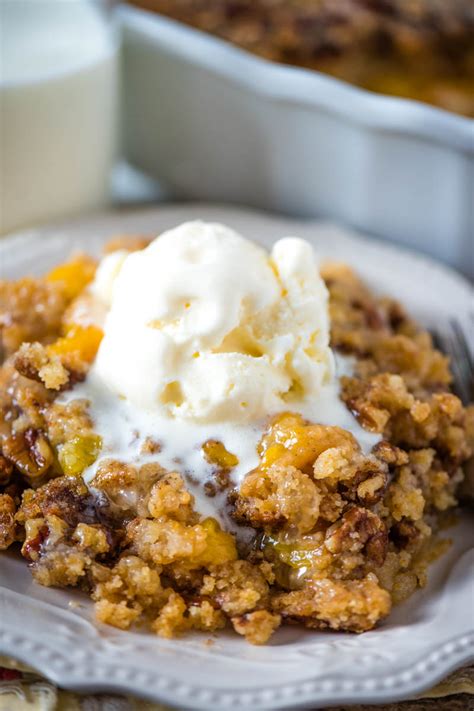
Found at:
[339, 535]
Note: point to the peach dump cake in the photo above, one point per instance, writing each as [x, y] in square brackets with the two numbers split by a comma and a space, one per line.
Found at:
[421, 49]
[200, 434]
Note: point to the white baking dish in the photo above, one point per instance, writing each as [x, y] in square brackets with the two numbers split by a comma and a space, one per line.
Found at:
[211, 121]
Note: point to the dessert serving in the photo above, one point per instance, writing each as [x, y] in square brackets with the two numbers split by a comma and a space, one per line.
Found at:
[421, 50]
[200, 434]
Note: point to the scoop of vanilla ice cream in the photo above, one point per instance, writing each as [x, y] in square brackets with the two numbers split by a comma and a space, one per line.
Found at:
[205, 325]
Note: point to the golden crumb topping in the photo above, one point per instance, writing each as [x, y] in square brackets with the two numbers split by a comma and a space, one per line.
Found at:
[334, 535]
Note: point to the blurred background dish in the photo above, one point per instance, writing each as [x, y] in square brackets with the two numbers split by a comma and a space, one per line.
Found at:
[58, 109]
[212, 122]
[423, 49]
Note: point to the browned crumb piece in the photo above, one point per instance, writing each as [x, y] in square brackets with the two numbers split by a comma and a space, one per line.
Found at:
[30, 310]
[237, 587]
[124, 592]
[68, 498]
[22, 401]
[406, 570]
[359, 530]
[8, 528]
[413, 357]
[421, 486]
[167, 541]
[61, 556]
[379, 399]
[176, 617]
[353, 605]
[384, 404]
[91, 538]
[267, 570]
[148, 490]
[388, 453]
[359, 478]
[33, 361]
[204, 616]
[281, 496]
[64, 422]
[171, 620]
[116, 614]
[54, 563]
[169, 496]
[126, 487]
[257, 627]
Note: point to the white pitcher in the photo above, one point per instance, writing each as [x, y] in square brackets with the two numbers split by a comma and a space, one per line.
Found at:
[58, 90]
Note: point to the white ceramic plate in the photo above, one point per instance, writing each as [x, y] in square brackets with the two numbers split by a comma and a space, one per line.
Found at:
[424, 639]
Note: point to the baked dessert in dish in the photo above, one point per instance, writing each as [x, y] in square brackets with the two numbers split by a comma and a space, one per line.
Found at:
[421, 50]
[200, 434]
